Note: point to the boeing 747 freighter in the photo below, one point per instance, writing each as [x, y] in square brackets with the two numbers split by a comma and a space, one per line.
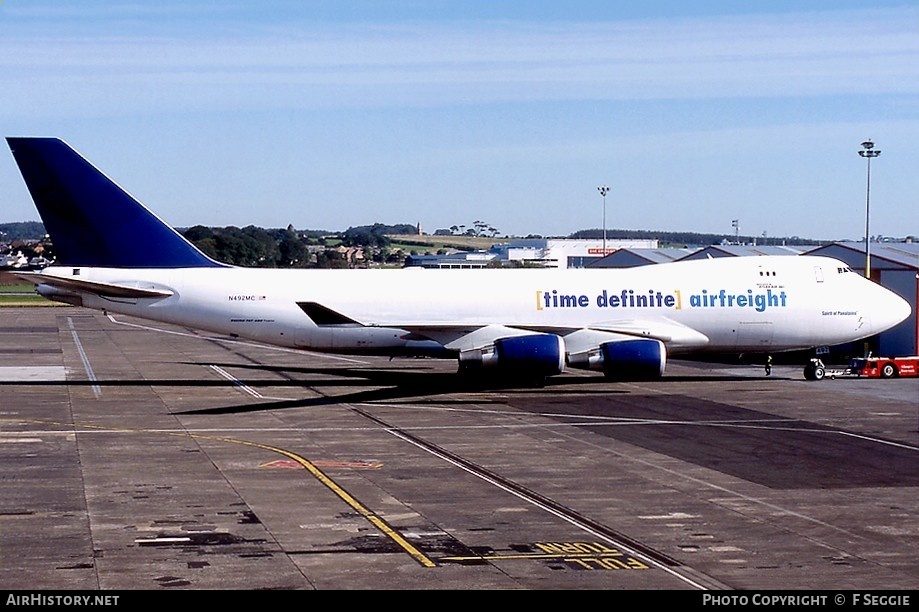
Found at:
[113, 254]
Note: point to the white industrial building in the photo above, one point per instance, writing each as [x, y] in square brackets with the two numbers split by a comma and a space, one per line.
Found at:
[545, 252]
[563, 252]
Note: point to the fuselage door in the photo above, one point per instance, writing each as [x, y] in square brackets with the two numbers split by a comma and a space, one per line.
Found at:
[818, 274]
[754, 335]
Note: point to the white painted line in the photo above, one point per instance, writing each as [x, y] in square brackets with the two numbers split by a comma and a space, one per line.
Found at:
[237, 382]
[97, 390]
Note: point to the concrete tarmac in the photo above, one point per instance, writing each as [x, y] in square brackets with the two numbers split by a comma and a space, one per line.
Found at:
[136, 455]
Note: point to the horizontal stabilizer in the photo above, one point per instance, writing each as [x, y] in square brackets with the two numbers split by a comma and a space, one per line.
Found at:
[109, 290]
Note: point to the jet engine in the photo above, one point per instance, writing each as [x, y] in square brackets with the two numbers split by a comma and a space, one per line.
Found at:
[530, 356]
[639, 359]
[626, 359]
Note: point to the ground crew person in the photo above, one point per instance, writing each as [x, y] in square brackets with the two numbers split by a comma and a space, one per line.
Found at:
[768, 365]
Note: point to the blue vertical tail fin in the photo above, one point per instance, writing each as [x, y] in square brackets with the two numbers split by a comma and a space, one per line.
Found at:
[91, 220]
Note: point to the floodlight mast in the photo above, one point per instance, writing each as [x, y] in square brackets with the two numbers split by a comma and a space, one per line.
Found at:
[603, 189]
[868, 152]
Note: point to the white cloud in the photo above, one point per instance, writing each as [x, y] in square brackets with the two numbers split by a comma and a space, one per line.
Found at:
[299, 66]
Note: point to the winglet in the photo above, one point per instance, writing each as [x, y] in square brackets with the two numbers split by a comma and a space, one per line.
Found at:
[91, 220]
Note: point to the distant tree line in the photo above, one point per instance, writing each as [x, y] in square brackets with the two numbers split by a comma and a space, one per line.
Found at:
[479, 228]
[375, 235]
[23, 230]
[253, 246]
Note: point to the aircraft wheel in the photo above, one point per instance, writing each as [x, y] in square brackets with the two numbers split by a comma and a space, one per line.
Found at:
[814, 372]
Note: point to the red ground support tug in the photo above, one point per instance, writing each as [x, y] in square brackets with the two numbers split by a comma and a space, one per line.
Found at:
[866, 367]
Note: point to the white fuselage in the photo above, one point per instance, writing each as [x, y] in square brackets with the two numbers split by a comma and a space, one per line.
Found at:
[766, 304]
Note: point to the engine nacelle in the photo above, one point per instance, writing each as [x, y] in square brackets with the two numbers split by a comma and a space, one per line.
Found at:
[533, 355]
[638, 359]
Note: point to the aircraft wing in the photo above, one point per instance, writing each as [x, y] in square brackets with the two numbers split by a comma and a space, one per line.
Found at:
[627, 349]
[106, 290]
[465, 337]
[462, 337]
[669, 332]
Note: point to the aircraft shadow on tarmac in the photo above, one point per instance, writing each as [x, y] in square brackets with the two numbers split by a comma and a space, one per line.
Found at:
[381, 384]
[365, 384]
[420, 385]
[376, 384]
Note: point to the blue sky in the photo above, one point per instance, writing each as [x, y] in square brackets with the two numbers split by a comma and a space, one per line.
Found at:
[330, 114]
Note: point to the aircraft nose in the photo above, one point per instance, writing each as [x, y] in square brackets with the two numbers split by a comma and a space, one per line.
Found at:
[891, 310]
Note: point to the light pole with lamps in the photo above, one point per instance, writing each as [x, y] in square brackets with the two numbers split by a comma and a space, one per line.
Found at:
[603, 189]
[868, 151]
